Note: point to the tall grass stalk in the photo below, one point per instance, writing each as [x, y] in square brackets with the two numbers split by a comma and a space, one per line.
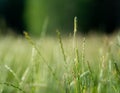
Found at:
[75, 25]
[83, 55]
[33, 69]
[66, 77]
[101, 75]
[44, 60]
[17, 80]
[109, 74]
[76, 67]
[24, 76]
[74, 32]
[61, 46]
[77, 71]
[90, 70]
[117, 70]
[29, 69]
[44, 27]
[14, 86]
[39, 53]
[12, 72]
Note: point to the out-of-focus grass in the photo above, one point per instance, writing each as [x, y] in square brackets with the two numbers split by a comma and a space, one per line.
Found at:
[19, 58]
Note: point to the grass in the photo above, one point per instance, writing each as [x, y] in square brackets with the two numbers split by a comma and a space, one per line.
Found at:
[72, 64]
[54, 65]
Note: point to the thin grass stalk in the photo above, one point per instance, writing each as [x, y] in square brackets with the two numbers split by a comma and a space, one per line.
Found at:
[61, 46]
[118, 77]
[101, 76]
[91, 76]
[14, 86]
[30, 69]
[34, 52]
[77, 64]
[76, 60]
[66, 81]
[12, 72]
[24, 77]
[75, 31]
[110, 78]
[117, 70]
[89, 67]
[40, 55]
[75, 25]
[83, 64]
[83, 55]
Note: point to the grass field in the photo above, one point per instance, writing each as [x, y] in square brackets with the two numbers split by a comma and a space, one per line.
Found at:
[60, 64]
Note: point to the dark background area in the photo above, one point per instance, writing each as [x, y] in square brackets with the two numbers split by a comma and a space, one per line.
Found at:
[97, 15]
[12, 13]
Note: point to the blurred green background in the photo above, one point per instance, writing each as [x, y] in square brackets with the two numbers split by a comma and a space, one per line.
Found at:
[41, 17]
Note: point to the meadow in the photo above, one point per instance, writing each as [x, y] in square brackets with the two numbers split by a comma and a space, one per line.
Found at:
[60, 64]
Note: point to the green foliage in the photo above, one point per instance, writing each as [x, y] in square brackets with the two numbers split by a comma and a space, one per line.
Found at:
[53, 65]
